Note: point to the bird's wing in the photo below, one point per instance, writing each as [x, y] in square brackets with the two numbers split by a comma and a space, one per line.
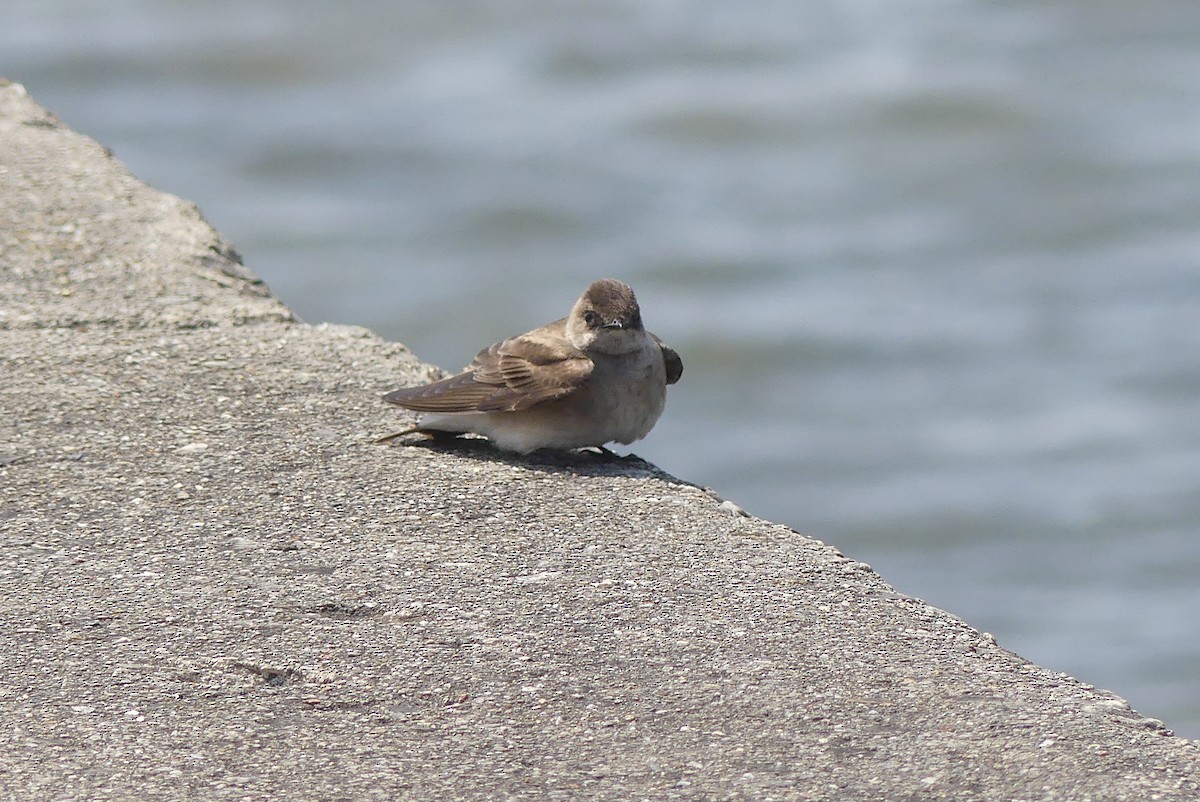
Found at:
[511, 375]
[530, 370]
[459, 393]
[671, 360]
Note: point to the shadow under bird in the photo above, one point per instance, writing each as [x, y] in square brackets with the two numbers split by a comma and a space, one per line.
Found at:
[590, 378]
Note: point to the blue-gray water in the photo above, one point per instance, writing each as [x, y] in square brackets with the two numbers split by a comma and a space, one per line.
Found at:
[932, 265]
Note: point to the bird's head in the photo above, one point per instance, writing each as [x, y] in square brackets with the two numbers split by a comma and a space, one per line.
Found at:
[606, 318]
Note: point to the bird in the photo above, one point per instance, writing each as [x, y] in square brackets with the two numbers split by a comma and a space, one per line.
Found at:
[593, 377]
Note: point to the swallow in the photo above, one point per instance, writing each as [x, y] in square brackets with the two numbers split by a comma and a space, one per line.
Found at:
[593, 377]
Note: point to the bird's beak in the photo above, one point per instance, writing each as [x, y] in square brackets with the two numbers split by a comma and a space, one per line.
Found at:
[616, 324]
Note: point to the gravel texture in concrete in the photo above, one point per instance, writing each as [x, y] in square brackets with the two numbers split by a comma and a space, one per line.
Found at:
[215, 586]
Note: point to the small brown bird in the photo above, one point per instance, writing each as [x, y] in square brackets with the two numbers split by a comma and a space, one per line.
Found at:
[587, 379]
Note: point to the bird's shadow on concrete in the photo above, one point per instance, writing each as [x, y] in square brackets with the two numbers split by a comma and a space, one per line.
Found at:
[580, 462]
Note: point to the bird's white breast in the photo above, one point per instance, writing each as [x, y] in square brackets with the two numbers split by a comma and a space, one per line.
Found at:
[629, 392]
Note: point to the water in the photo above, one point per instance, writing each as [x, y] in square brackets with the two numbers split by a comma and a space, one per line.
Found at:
[932, 266]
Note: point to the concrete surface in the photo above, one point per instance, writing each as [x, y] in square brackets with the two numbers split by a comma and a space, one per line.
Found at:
[213, 586]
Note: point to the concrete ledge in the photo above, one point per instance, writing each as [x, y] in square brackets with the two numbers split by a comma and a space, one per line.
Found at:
[213, 586]
[83, 242]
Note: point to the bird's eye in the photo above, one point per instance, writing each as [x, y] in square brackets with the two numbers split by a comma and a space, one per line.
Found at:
[590, 317]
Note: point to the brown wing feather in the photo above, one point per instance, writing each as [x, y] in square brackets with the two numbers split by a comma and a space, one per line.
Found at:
[514, 374]
[459, 393]
[534, 370]
[671, 360]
